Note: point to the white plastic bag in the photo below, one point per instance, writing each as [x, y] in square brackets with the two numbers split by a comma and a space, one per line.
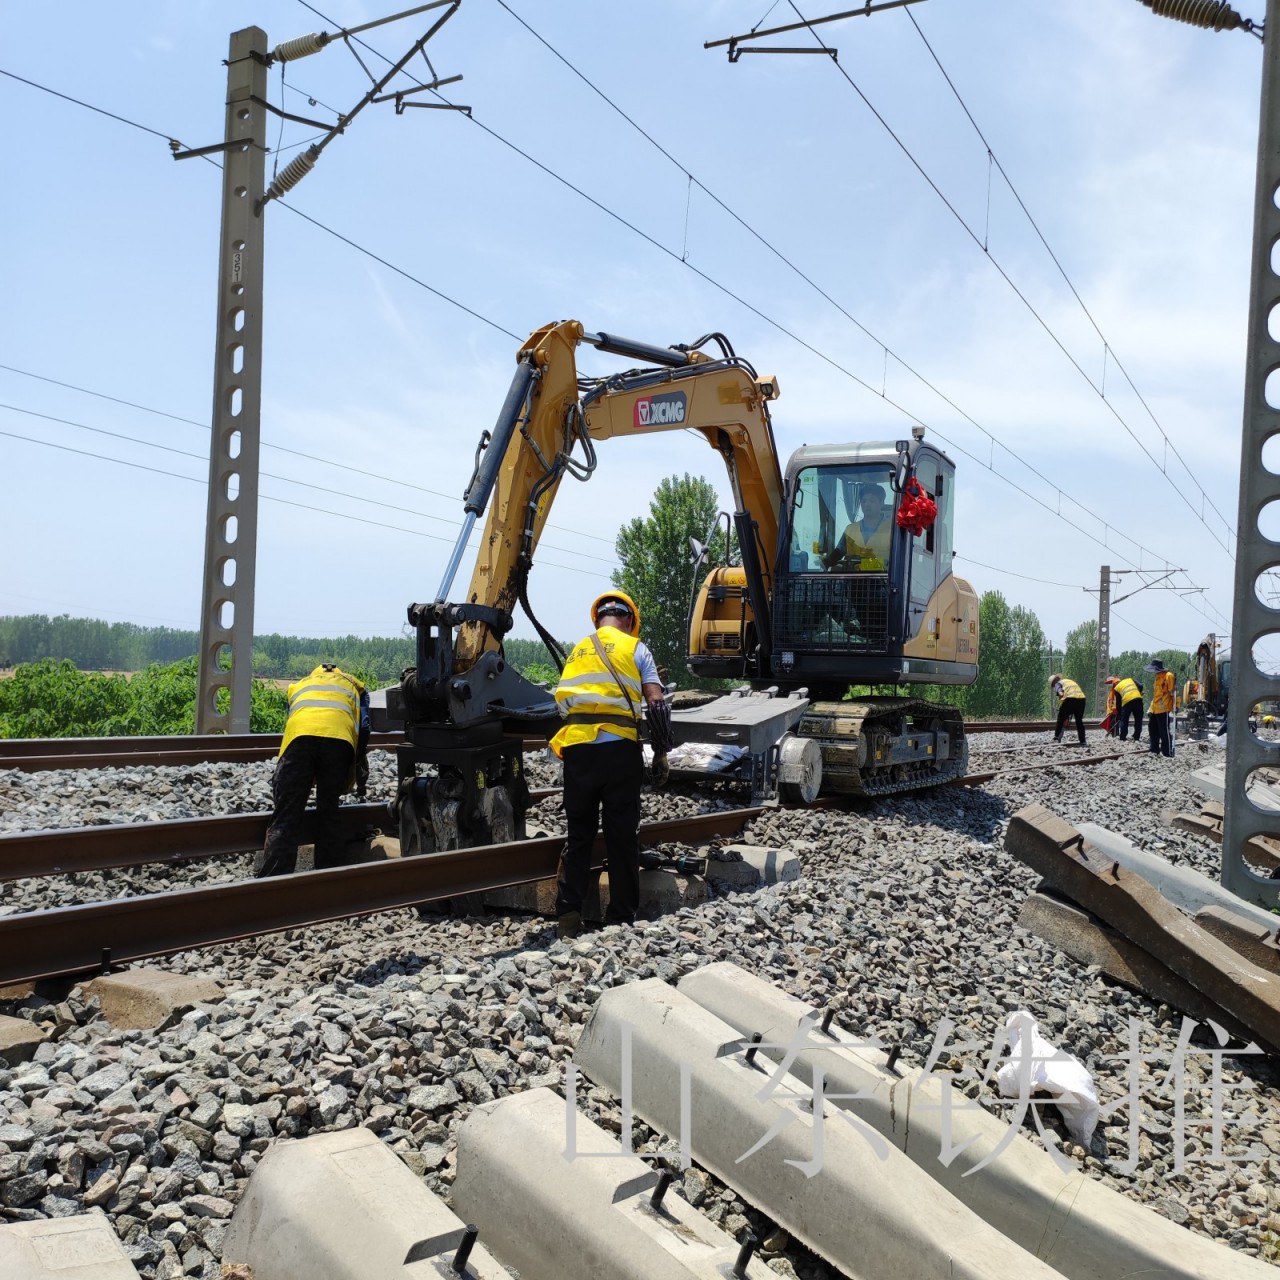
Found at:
[1037, 1067]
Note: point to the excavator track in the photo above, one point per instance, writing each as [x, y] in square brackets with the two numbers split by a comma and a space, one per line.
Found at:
[882, 746]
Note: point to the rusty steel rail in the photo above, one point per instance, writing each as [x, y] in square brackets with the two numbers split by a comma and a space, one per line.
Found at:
[35, 755]
[976, 779]
[130, 844]
[67, 941]
[112, 846]
[1019, 726]
[39, 755]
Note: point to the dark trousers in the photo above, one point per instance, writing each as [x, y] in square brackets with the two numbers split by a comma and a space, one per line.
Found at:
[602, 782]
[1133, 709]
[1070, 707]
[1158, 733]
[326, 762]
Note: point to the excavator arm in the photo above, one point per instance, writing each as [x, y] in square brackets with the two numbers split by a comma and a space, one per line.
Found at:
[547, 428]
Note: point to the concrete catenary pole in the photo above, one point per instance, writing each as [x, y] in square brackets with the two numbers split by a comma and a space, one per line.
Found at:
[231, 532]
[1104, 642]
[1254, 623]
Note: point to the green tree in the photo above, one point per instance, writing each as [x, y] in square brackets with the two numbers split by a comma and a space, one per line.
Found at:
[49, 699]
[657, 569]
[542, 673]
[1080, 662]
[165, 698]
[527, 654]
[1011, 674]
[1029, 686]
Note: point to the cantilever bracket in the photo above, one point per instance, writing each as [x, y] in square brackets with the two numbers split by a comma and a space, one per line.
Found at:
[736, 50]
[285, 115]
[179, 154]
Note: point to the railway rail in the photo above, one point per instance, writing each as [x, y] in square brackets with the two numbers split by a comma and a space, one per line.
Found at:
[35, 755]
[65, 941]
[113, 846]
[73, 940]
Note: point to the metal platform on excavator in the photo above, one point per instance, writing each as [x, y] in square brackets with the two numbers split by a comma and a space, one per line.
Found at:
[880, 746]
[744, 735]
[785, 744]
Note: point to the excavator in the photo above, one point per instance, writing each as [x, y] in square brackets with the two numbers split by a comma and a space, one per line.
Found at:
[1205, 694]
[832, 577]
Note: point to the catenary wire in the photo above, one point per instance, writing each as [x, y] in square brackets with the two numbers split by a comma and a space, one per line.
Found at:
[786, 261]
[1040, 320]
[266, 497]
[279, 448]
[710, 280]
[1117, 616]
[729, 293]
[270, 475]
[1062, 271]
[1048, 582]
[782, 257]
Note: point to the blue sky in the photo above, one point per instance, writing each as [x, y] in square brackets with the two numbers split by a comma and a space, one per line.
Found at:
[1131, 141]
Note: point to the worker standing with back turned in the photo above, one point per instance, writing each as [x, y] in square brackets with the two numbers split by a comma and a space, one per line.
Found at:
[609, 682]
[1162, 705]
[326, 741]
[1070, 704]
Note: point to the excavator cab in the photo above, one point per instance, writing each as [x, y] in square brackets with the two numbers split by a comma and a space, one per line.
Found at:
[859, 598]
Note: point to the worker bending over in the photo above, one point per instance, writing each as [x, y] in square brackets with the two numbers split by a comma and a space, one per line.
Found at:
[608, 683]
[1070, 704]
[326, 742]
[1128, 696]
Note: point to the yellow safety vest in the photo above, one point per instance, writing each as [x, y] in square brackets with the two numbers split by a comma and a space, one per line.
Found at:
[589, 697]
[1069, 690]
[1162, 699]
[1126, 691]
[873, 549]
[326, 704]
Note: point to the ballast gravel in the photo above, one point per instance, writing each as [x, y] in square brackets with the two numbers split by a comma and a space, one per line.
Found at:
[904, 919]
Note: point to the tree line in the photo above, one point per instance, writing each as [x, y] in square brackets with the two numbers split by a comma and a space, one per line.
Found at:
[93, 645]
[55, 693]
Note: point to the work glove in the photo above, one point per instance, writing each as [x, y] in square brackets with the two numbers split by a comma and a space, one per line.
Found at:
[660, 770]
[661, 732]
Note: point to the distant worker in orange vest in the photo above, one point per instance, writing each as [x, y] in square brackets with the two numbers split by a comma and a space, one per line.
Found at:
[609, 683]
[1163, 703]
[1070, 704]
[1128, 696]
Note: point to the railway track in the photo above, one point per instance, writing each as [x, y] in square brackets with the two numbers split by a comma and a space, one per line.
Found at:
[74, 940]
[115, 846]
[35, 755]
[77, 939]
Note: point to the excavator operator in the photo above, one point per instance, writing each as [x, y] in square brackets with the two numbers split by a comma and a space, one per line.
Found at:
[864, 545]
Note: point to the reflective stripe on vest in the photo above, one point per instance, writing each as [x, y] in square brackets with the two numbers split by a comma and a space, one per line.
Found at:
[1162, 699]
[1126, 691]
[326, 704]
[589, 697]
[1069, 690]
